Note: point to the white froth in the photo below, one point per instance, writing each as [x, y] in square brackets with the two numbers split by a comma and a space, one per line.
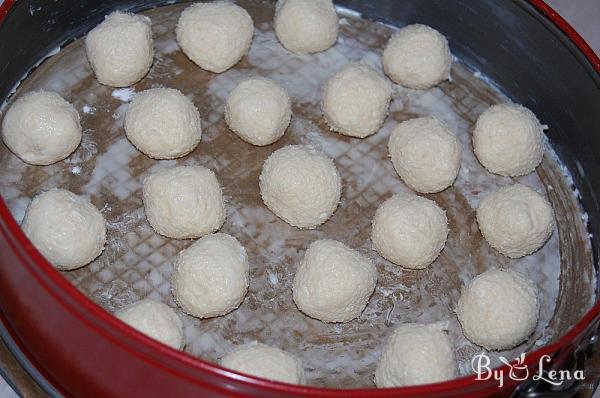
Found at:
[123, 94]
[112, 171]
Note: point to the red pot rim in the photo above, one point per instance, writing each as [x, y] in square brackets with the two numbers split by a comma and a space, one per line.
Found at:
[121, 334]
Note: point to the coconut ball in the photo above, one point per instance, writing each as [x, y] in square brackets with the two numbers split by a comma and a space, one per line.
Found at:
[67, 229]
[300, 185]
[183, 202]
[425, 154]
[356, 100]
[211, 276]
[333, 282]
[508, 140]
[306, 26]
[409, 230]
[258, 110]
[499, 309]
[416, 354]
[120, 49]
[266, 362]
[215, 35]
[41, 128]
[163, 123]
[515, 220]
[418, 57]
[156, 320]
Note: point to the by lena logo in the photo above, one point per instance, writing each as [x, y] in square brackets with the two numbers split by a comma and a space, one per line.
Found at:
[519, 371]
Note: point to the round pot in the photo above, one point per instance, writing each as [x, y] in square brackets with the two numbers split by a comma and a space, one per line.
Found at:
[73, 347]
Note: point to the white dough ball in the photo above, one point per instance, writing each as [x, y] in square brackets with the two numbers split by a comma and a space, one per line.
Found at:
[306, 26]
[215, 35]
[499, 309]
[156, 320]
[409, 230]
[258, 110]
[425, 154]
[515, 220]
[120, 49]
[261, 360]
[333, 282]
[300, 185]
[416, 354]
[356, 101]
[418, 57]
[163, 123]
[41, 128]
[211, 276]
[184, 202]
[508, 140]
[67, 229]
